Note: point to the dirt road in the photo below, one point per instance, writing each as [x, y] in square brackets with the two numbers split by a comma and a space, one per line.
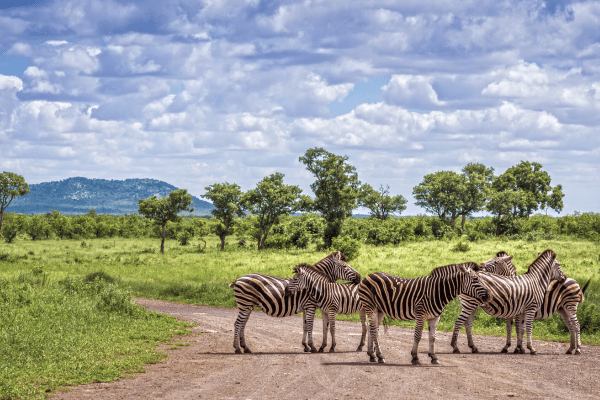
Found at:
[279, 369]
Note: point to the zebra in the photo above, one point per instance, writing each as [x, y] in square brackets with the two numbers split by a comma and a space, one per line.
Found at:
[563, 299]
[418, 299]
[512, 297]
[331, 298]
[267, 292]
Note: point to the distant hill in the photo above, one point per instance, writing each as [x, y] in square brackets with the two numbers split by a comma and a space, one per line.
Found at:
[78, 195]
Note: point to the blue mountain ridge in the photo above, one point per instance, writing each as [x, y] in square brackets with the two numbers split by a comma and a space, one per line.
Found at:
[78, 195]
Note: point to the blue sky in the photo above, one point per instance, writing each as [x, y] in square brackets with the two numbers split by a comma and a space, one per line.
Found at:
[200, 92]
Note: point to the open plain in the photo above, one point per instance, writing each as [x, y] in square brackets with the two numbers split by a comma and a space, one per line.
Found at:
[279, 369]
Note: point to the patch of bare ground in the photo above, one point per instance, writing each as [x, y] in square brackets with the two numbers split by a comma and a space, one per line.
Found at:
[279, 369]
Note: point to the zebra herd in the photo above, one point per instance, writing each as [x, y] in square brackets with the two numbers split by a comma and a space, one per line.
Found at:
[492, 285]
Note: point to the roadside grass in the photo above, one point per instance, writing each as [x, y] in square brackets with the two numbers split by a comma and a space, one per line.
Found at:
[190, 275]
[71, 332]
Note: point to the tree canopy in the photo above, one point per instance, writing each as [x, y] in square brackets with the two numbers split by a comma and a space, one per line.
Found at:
[227, 199]
[336, 188]
[379, 202]
[440, 194]
[166, 209]
[11, 186]
[270, 200]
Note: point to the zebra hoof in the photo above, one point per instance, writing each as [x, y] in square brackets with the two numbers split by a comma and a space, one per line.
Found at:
[247, 350]
[533, 353]
[474, 350]
[568, 351]
[436, 362]
[381, 360]
[577, 352]
[456, 351]
[504, 350]
[415, 362]
[320, 350]
[237, 351]
[372, 359]
[359, 348]
[307, 349]
[332, 350]
[314, 350]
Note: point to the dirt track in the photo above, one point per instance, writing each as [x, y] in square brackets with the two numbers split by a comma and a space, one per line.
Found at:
[279, 369]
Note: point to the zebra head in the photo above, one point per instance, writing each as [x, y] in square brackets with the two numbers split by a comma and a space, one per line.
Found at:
[336, 267]
[306, 278]
[471, 284]
[556, 273]
[500, 265]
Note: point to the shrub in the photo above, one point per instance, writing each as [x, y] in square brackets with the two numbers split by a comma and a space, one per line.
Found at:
[461, 246]
[184, 237]
[350, 247]
[277, 241]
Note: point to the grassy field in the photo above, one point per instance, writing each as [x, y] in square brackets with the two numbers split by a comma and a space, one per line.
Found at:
[187, 274]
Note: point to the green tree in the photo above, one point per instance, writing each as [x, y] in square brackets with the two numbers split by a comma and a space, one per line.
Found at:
[336, 189]
[269, 201]
[477, 181]
[379, 202]
[11, 186]
[37, 226]
[439, 194]
[61, 225]
[534, 184]
[227, 199]
[501, 204]
[165, 209]
[12, 227]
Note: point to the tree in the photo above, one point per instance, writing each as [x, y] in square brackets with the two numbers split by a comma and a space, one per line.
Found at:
[11, 186]
[37, 226]
[439, 194]
[336, 189]
[477, 180]
[270, 200]
[534, 184]
[379, 202]
[226, 198]
[61, 225]
[165, 209]
[501, 204]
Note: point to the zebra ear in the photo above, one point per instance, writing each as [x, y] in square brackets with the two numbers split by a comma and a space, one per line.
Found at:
[507, 258]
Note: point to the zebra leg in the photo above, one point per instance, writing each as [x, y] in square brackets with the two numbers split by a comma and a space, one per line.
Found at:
[509, 325]
[419, 322]
[529, 316]
[332, 313]
[373, 327]
[432, 324]
[308, 319]
[464, 315]
[572, 323]
[238, 329]
[325, 317]
[363, 323]
[468, 327]
[520, 327]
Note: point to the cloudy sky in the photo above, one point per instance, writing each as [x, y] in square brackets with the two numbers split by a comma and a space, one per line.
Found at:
[199, 92]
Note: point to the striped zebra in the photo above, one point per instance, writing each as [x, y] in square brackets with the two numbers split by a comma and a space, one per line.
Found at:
[418, 299]
[512, 297]
[331, 298]
[562, 299]
[268, 293]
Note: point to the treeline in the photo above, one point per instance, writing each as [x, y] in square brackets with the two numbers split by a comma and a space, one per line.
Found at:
[298, 231]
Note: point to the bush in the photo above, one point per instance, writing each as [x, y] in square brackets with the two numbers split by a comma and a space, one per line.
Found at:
[184, 237]
[461, 246]
[350, 247]
[277, 241]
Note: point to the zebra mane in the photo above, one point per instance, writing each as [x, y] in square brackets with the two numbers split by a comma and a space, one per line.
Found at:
[454, 269]
[298, 266]
[342, 256]
[312, 268]
[509, 264]
[540, 259]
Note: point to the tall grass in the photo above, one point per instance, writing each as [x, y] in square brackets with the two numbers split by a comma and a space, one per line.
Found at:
[73, 331]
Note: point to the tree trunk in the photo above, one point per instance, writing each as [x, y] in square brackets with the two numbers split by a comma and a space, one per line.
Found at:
[453, 219]
[262, 242]
[222, 241]
[464, 218]
[162, 242]
[260, 239]
[1, 218]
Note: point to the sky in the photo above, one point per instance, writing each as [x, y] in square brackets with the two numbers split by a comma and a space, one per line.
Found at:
[201, 92]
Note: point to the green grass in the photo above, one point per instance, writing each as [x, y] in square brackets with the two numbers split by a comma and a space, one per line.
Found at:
[188, 275]
[73, 332]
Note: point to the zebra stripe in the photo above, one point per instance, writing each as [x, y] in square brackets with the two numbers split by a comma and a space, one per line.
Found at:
[520, 296]
[331, 298]
[268, 293]
[416, 299]
[562, 299]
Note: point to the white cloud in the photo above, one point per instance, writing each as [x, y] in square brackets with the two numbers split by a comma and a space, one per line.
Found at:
[10, 82]
[411, 92]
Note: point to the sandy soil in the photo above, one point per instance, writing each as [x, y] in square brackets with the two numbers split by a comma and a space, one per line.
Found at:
[279, 369]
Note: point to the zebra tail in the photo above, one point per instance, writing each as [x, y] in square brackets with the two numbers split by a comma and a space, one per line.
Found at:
[585, 286]
[386, 323]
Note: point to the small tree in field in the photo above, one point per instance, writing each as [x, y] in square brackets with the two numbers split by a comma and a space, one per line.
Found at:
[11, 186]
[226, 198]
[270, 200]
[165, 209]
[379, 202]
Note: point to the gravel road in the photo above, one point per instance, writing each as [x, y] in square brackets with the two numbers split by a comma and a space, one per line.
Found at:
[279, 369]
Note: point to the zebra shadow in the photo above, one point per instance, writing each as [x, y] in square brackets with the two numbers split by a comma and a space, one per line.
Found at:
[272, 353]
[377, 365]
[495, 353]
